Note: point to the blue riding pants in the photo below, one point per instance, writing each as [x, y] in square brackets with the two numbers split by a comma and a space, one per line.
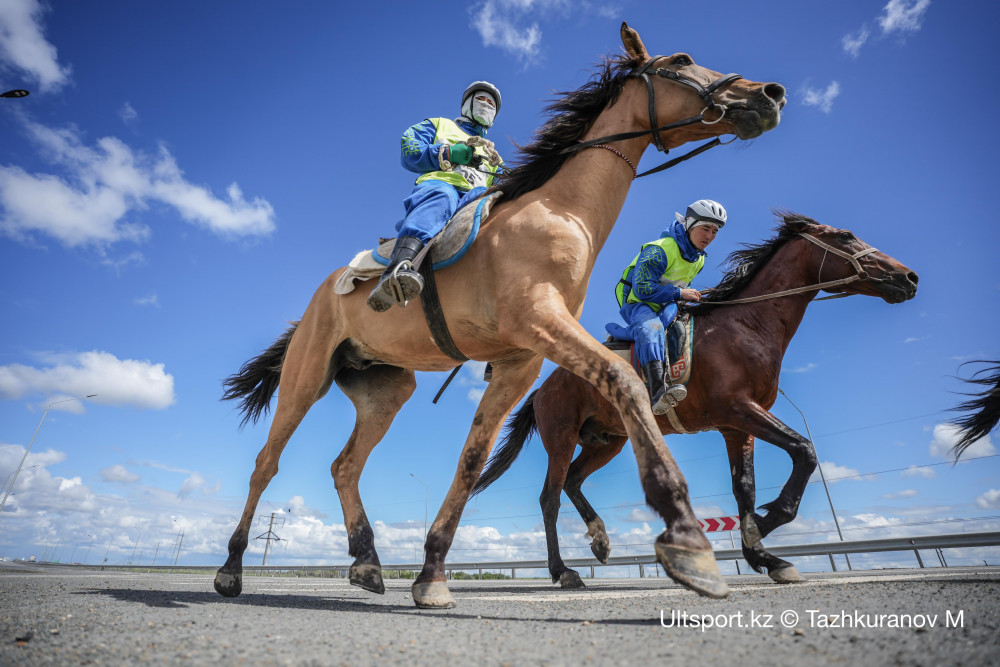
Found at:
[648, 329]
[430, 206]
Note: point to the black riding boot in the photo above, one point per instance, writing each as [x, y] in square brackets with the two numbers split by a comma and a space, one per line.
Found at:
[399, 282]
[654, 381]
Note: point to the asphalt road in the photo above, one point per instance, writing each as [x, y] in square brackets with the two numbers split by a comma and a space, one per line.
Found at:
[62, 617]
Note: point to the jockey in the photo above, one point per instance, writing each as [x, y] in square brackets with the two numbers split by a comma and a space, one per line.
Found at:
[456, 164]
[651, 286]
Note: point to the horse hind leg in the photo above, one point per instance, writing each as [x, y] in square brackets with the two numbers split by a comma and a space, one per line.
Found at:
[560, 442]
[377, 393]
[592, 459]
[303, 380]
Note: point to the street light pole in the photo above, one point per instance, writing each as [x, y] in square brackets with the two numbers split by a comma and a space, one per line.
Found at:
[16, 472]
[427, 502]
[819, 466]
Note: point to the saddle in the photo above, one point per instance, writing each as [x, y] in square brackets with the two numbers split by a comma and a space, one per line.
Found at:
[680, 343]
[445, 249]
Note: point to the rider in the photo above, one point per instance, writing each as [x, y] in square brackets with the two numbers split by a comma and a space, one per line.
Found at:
[456, 164]
[654, 282]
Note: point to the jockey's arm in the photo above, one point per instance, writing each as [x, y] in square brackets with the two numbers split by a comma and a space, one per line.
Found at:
[418, 152]
[646, 277]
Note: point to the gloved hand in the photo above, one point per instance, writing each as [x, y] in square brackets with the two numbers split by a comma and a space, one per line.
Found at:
[460, 153]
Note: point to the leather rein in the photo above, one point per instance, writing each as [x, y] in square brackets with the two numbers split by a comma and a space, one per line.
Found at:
[704, 92]
[860, 274]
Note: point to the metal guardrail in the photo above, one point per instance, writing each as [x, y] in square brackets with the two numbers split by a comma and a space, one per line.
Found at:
[936, 543]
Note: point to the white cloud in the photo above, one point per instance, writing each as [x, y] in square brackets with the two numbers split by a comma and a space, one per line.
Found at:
[128, 114]
[641, 515]
[193, 483]
[105, 185]
[823, 99]
[501, 24]
[945, 437]
[835, 473]
[918, 471]
[852, 42]
[989, 500]
[119, 473]
[905, 493]
[903, 15]
[800, 369]
[118, 382]
[151, 299]
[24, 48]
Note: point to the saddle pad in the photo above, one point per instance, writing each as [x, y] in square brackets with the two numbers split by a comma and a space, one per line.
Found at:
[454, 240]
[680, 343]
[450, 245]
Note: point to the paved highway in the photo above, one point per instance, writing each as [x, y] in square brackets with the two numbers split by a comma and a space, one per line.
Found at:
[900, 617]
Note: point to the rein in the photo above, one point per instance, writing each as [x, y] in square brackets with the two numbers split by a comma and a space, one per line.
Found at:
[704, 92]
[860, 274]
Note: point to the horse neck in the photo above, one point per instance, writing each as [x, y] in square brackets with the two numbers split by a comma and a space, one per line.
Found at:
[777, 319]
[591, 186]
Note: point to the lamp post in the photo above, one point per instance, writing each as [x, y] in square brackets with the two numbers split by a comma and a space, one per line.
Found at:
[15, 93]
[427, 502]
[16, 472]
[819, 466]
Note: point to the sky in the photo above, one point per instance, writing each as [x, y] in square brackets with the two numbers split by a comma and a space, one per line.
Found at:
[184, 175]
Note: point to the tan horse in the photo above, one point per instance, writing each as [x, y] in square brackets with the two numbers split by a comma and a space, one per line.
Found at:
[513, 300]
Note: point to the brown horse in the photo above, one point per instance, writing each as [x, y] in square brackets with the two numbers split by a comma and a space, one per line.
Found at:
[513, 300]
[736, 360]
[982, 413]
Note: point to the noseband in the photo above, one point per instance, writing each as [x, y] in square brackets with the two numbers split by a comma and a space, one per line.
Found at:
[645, 73]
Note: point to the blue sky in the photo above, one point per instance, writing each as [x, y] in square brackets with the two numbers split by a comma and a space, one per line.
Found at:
[183, 175]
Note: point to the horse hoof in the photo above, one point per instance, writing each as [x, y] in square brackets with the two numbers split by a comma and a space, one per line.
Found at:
[570, 579]
[433, 595]
[786, 575]
[228, 585]
[368, 577]
[601, 546]
[696, 570]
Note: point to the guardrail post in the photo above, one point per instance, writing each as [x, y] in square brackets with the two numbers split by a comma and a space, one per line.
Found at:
[919, 559]
[591, 571]
[641, 571]
[513, 573]
[833, 564]
[940, 555]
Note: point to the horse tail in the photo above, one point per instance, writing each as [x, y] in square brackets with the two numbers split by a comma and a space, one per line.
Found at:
[257, 379]
[518, 430]
[983, 410]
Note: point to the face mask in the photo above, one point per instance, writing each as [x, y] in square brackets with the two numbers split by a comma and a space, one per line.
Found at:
[483, 113]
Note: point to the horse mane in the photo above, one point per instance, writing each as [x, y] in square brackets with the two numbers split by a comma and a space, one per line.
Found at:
[742, 265]
[983, 410]
[570, 116]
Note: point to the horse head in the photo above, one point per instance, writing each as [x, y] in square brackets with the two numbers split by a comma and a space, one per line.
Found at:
[850, 265]
[724, 104]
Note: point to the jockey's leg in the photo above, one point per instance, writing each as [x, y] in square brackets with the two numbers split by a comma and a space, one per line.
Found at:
[650, 344]
[674, 393]
[428, 208]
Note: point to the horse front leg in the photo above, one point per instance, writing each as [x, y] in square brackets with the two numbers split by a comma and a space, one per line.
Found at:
[760, 423]
[511, 381]
[377, 393]
[682, 548]
[739, 447]
[590, 459]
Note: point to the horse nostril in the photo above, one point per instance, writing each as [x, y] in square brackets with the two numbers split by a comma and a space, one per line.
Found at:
[912, 277]
[774, 91]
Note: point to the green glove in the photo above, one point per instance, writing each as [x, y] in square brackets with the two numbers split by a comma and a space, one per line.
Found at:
[460, 153]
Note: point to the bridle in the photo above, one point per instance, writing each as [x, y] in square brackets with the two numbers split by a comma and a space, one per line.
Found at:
[859, 274]
[645, 72]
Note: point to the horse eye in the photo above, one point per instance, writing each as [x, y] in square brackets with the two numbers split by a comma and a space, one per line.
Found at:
[682, 61]
[846, 236]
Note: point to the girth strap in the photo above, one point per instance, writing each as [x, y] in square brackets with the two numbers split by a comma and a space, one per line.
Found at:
[434, 315]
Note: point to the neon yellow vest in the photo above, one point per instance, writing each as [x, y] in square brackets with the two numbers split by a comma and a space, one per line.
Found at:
[448, 132]
[680, 272]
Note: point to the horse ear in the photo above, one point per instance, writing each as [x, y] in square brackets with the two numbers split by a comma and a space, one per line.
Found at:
[633, 45]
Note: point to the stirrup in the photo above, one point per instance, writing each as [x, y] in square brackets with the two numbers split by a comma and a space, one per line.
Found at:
[404, 284]
[674, 394]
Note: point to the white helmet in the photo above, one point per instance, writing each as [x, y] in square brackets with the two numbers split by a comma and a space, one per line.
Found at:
[705, 212]
[469, 94]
